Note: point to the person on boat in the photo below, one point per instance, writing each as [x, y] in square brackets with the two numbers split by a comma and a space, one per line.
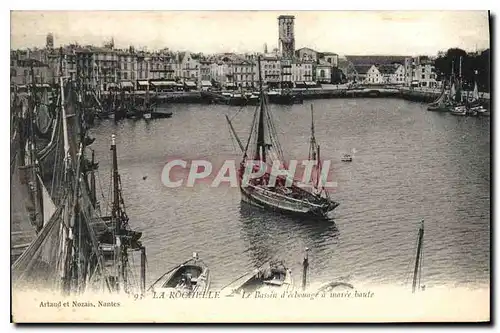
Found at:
[188, 281]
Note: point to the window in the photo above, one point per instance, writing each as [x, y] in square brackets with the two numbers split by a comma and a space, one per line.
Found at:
[423, 76]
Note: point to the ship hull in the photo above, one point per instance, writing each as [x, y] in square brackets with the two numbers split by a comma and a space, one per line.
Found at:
[437, 108]
[283, 206]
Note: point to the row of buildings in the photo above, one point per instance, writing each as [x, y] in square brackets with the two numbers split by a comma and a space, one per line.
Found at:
[395, 70]
[106, 67]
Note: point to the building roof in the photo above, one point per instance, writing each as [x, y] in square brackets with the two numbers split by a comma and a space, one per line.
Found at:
[323, 62]
[344, 63]
[362, 69]
[306, 48]
[387, 69]
[375, 59]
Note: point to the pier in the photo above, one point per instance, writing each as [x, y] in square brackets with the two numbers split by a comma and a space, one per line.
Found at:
[326, 91]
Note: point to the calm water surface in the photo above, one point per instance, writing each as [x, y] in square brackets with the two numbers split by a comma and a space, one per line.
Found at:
[409, 164]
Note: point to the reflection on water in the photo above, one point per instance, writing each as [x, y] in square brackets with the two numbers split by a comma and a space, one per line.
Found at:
[268, 234]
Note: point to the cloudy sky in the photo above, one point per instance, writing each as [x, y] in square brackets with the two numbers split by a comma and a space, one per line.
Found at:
[343, 32]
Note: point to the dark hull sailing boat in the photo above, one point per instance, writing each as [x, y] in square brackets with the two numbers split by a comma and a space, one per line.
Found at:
[192, 276]
[262, 149]
[149, 111]
[442, 103]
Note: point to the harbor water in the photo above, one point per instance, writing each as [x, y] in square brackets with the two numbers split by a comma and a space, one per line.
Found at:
[408, 164]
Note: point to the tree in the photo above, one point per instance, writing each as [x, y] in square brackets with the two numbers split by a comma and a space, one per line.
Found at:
[448, 64]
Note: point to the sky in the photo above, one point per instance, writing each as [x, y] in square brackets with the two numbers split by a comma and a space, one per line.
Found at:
[342, 32]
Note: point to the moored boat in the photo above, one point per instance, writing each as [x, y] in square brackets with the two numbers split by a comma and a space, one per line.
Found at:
[346, 158]
[192, 276]
[284, 194]
[460, 110]
[272, 276]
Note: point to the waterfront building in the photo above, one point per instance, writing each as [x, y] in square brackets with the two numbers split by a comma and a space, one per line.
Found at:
[392, 74]
[331, 58]
[302, 71]
[107, 67]
[359, 68]
[286, 73]
[127, 61]
[347, 68]
[243, 73]
[20, 68]
[420, 71]
[361, 73]
[160, 66]
[374, 76]
[306, 54]
[271, 70]
[188, 66]
[323, 71]
[233, 71]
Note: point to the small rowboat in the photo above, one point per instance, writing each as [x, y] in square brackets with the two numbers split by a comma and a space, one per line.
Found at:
[192, 276]
[272, 276]
[346, 158]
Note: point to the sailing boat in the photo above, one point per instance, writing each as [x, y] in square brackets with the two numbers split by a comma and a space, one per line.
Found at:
[475, 103]
[441, 103]
[458, 108]
[262, 149]
[445, 99]
[68, 254]
[150, 111]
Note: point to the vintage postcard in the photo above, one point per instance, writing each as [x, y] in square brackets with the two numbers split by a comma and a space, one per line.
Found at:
[250, 166]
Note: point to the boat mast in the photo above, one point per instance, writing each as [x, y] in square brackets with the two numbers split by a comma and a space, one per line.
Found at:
[305, 266]
[312, 151]
[115, 215]
[93, 194]
[419, 250]
[261, 150]
[116, 194]
[459, 90]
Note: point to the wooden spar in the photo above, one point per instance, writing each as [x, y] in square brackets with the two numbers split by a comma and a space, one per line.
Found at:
[116, 194]
[260, 132]
[143, 270]
[235, 135]
[419, 250]
[93, 195]
[305, 265]
[64, 121]
[115, 217]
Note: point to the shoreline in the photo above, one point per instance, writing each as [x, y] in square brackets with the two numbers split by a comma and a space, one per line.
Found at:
[217, 97]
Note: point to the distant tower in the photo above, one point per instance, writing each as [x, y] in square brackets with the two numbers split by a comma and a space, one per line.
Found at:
[50, 41]
[286, 36]
[265, 48]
